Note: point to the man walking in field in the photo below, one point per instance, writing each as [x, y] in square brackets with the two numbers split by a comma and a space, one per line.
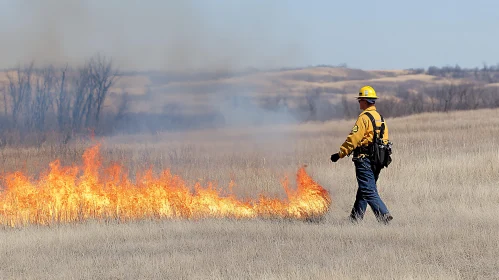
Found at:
[371, 153]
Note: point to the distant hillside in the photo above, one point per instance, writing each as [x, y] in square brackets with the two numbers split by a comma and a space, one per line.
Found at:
[33, 100]
[291, 88]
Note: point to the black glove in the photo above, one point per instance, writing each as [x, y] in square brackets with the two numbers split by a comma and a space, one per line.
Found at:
[335, 157]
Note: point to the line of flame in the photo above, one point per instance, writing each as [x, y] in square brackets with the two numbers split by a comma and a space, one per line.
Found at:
[72, 194]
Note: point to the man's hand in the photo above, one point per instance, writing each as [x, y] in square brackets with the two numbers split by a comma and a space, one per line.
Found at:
[335, 157]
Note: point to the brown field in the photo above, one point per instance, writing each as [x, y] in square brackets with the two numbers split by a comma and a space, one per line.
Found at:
[442, 190]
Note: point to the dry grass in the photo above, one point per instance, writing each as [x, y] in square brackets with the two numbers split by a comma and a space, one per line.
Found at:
[441, 189]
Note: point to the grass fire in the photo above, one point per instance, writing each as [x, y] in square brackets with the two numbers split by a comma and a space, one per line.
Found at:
[65, 194]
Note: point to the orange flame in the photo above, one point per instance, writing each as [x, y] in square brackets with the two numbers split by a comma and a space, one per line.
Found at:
[71, 194]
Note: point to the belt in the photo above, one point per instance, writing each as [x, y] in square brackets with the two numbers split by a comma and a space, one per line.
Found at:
[362, 151]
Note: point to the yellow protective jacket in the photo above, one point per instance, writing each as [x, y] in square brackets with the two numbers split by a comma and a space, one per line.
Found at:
[362, 132]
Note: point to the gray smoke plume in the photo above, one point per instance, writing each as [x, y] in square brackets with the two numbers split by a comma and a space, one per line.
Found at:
[168, 36]
[147, 35]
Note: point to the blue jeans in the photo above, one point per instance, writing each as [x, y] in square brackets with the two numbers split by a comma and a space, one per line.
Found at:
[367, 192]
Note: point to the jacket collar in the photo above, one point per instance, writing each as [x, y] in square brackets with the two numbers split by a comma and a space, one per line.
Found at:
[370, 109]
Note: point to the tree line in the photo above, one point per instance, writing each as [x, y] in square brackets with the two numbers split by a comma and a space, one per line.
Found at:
[316, 104]
[438, 98]
[66, 101]
[486, 73]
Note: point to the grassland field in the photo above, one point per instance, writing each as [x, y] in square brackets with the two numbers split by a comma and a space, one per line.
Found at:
[442, 189]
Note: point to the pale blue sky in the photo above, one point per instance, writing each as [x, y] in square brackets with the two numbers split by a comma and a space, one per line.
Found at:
[151, 34]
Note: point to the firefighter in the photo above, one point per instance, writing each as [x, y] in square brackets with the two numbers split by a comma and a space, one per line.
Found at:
[358, 142]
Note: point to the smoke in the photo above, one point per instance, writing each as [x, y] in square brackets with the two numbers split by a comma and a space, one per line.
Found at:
[169, 36]
[43, 32]
[241, 110]
[148, 35]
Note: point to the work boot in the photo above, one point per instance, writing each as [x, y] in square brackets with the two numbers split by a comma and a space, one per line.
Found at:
[385, 218]
[355, 219]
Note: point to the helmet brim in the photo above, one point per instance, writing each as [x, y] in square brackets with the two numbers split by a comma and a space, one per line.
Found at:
[368, 100]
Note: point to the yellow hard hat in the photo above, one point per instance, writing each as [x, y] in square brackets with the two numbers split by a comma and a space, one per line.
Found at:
[367, 92]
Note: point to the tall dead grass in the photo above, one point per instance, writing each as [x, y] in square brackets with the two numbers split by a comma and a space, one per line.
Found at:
[442, 189]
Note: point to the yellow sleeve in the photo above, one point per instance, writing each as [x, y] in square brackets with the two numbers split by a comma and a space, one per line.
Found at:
[385, 135]
[354, 138]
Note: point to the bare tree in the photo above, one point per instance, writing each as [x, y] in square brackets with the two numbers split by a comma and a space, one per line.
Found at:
[475, 98]
[20, 90]
[62, 102]
[103, 76]
[43, 97]
[83, 98]
[445, 95]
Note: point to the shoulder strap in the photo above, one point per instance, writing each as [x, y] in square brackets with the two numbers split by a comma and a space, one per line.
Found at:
[381, 128]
